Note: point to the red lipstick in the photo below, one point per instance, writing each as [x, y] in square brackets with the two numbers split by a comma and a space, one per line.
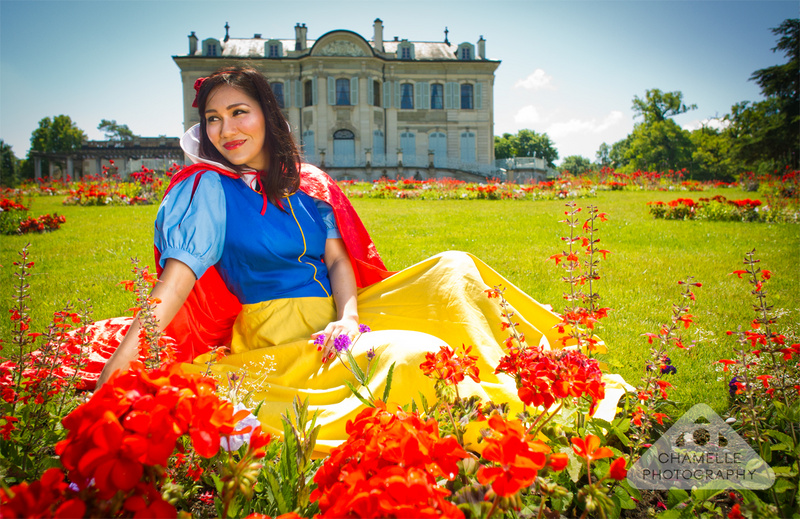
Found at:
[232, 145]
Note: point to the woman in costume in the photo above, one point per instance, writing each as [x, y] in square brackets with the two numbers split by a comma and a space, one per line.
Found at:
[265, 254]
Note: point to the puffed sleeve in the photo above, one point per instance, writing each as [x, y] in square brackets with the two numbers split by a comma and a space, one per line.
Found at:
[191, 227]
[326, 212]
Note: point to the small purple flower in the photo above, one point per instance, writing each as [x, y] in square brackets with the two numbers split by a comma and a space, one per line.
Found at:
[320, 340]
[341, 343]
[733, 387]
[370, 354]
[363, 328]
[668, 370]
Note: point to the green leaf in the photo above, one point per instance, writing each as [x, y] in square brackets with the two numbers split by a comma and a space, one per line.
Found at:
[783, 485]
[615, 511]
[702, 494]
[358, 395]
[356, 368]
[676, 496]
[275, 490]
[625, 500]
[632, 491]
[388, 383]
[782, 437]
[670, 514]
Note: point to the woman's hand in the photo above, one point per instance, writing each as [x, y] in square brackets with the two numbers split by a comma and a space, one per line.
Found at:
[343, 286]
[344, 327]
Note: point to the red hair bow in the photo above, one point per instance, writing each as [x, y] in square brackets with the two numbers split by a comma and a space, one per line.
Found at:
[197, 85]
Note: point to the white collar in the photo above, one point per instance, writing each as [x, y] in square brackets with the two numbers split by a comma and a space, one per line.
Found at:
[190, 143]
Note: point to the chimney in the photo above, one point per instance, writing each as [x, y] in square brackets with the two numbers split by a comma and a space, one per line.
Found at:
[482, 48]
[377, 39]
[300, 37]
[192, 44]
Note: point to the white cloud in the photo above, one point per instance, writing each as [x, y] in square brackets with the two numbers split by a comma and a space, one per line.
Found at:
[537, 80]
[717, 124]
[528, 115]
[590, 126]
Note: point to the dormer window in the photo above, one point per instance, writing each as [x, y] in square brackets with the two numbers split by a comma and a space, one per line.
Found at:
[405, 50]
[212, 48]
[273, 49]
[465, 52]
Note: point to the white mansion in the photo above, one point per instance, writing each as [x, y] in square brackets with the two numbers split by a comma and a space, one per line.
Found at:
[365, 109]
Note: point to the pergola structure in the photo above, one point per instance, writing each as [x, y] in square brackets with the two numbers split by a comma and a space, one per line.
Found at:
[138, 148]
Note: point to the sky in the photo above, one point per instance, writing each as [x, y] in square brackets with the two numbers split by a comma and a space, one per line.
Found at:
[568, 68]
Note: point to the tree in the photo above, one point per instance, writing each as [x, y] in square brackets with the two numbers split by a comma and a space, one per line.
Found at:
[711, 155]
[758, 135]
[603, 155]
[781, 83]
[526, 143]
[657, 143]
[9, 166]
[504, 146]
[114, 131]
[657, 106]
[58, 134]
[576, 164]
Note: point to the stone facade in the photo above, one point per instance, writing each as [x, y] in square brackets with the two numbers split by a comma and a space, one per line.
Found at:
[365, 109]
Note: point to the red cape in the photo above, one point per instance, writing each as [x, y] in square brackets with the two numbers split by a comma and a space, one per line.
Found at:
[206, 318]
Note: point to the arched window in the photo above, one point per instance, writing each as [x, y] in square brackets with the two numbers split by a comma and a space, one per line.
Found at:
[437, 97]
[212, 47]
[277, 89]
[344, 148]
[468, 147]
[466, 96]
[407, 96]
[342, 92]
[405, 50]
[408, 144]
[274, 49]
[437, 142]
[465, 51]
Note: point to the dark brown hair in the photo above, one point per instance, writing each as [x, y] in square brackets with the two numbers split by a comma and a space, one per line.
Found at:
[282, 176]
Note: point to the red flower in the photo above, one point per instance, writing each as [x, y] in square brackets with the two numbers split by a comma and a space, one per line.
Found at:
[388, 466]
[589, 448]
[519, 458]
[617, 470]
[735, 512]
[447, 366]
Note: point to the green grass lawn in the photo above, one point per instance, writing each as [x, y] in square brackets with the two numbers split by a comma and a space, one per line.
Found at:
[89, 256]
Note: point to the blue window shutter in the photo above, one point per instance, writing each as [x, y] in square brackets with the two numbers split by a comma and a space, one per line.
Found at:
[370, 91]
[418, 102]
[397, 94]
[287, 89]
[450, 95]
[479, 96]
[314, 90]
[354, 91]
[387, 94]
[298, 93]
[331, 91]
[426, 95]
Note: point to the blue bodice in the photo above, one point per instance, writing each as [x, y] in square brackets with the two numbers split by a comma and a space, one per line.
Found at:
[218, 222]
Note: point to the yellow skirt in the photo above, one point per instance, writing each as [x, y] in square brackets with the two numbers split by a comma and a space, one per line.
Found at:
[441, 300]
